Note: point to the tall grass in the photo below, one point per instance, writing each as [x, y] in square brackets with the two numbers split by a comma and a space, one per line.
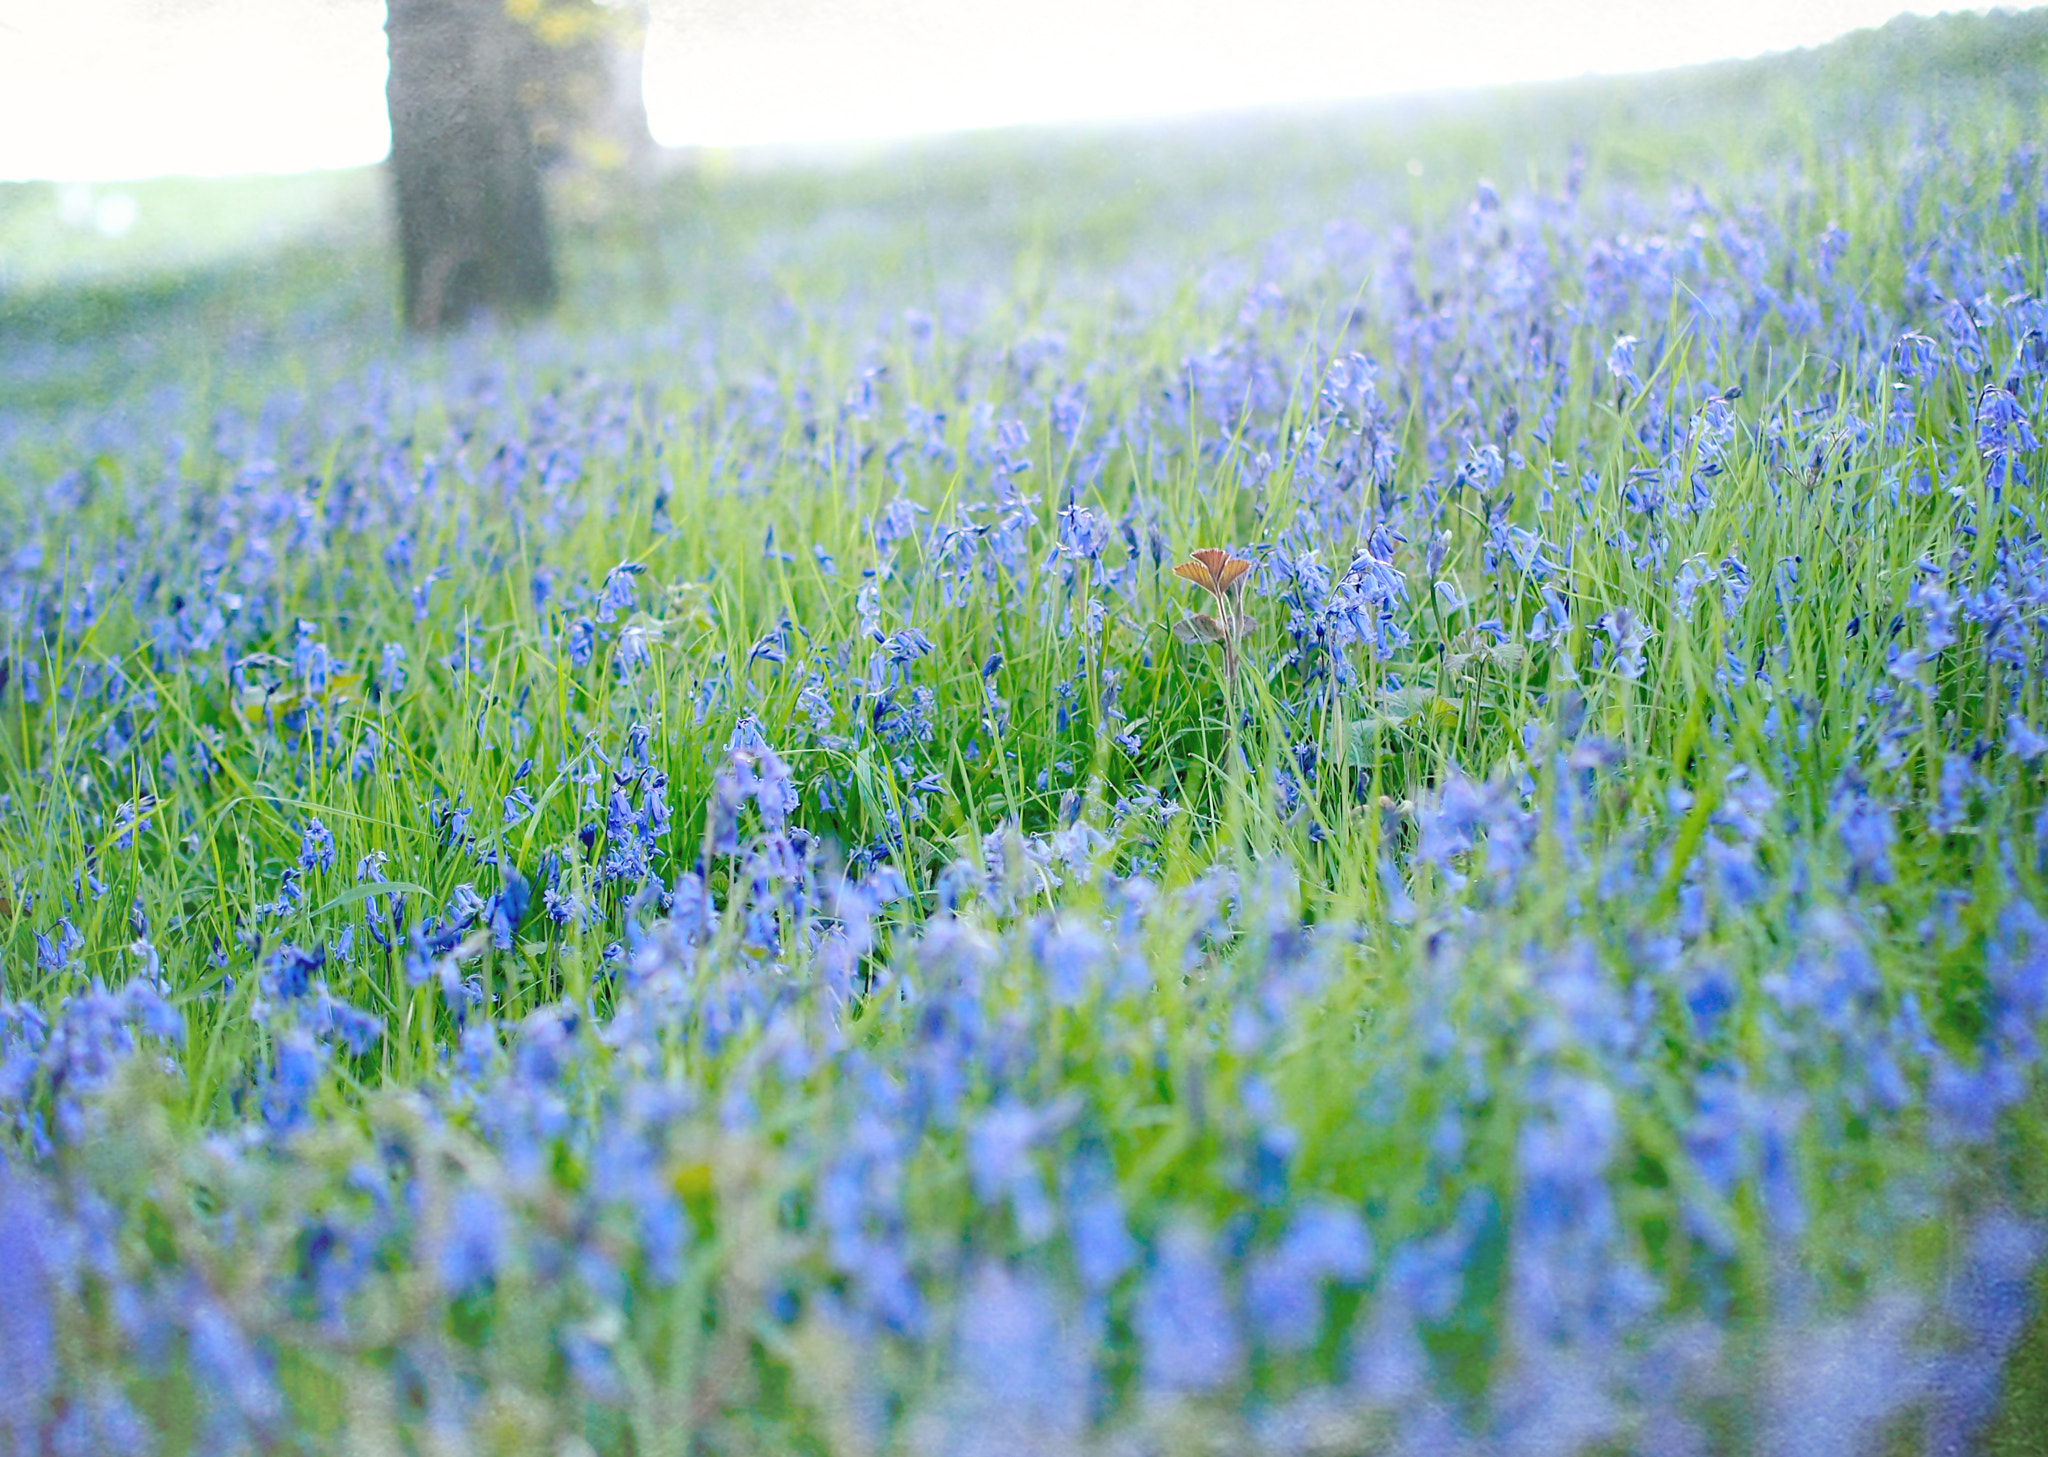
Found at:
[843, 975]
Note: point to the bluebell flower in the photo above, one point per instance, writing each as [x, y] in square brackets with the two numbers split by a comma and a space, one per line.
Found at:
[1951, 809]
[1021, 1366]
[1989, 1298]
[1446, 824]
[637, 641]
[1962, 329]
[1867, 833]
[129, 817]
[1693, 574]
[101, 1422]
[297, 1062]
[2003, 433]
[860, 1204]
[287, 896]
[235, 1378]
[898, 522]
[1187, 1330]
[1621, 363]
[364, 759]
[619, 593]
[1390, 1367]
[1283, 1286]
[1627, 636]
[422, 594]
[1426, 1277]
[55, 949]
[1968, 1100]
[316, 847]
[581, 642]
[391, 670]
[472, 1245]
[1915, 357]
[1103, 1248]
[1011, 441]
[343, 1024]
[32, 1279]
[1000, 1162]
[289, 975]
[772, 646]
[312, 664]
[1072, 956]
[464, 906]
[1082, 535]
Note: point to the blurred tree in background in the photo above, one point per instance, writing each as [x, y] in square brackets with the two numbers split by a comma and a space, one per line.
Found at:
[580, 83]
[484, 96]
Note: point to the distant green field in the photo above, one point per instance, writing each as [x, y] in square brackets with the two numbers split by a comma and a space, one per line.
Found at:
[54, 235]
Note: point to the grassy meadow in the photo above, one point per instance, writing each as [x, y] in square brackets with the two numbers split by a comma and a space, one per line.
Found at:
[713, 874]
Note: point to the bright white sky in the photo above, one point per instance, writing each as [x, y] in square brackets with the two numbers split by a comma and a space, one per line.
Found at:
[118, 89]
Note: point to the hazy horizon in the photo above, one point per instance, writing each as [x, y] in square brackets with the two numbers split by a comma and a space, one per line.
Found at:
[124, 90]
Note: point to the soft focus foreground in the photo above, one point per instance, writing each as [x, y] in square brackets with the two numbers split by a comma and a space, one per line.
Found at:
[688, 886]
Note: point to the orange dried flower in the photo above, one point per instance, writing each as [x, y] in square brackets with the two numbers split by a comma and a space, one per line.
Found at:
[1213, 570]
[1216, 572]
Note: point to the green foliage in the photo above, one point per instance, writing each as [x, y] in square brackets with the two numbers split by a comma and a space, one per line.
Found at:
[831, 331]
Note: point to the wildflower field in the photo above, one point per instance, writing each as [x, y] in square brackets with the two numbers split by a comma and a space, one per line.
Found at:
[694, 879]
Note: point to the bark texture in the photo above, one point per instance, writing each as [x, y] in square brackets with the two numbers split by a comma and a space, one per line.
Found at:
[472, 217]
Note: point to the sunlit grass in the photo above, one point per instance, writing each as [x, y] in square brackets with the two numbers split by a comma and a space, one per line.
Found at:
[1592, 848]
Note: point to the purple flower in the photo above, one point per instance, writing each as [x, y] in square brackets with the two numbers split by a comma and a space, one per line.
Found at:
[311, 662]
[1283, 1287]
[30, 1243]
[1915, 357]
[1865, 827]
[2002, 425]
[296, 1065]
[1023, 1366]
[2022, 740]
[472, 1245]
[233, 1374]
[637, 641]
[618, 593]
[1989, 1298]
[102, 1423]
[582, 642]
[1833, 1388]
[1102, 1244]
[1951, 810]
[1072, 956]
[290, 973]
[55, 955]
[391, 673]
[1082, 535]
[1000, 1147]
[316, 847]
[1627, 635]
[1621, 362]
[1187, 1331]
[349, 1026]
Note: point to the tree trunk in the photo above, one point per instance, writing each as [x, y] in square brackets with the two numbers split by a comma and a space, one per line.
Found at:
[472, 220]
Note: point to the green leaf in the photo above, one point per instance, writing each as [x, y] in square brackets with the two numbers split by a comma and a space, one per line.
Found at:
[1410, 707]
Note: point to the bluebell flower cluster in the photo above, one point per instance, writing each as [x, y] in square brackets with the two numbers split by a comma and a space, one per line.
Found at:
[634, 891]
